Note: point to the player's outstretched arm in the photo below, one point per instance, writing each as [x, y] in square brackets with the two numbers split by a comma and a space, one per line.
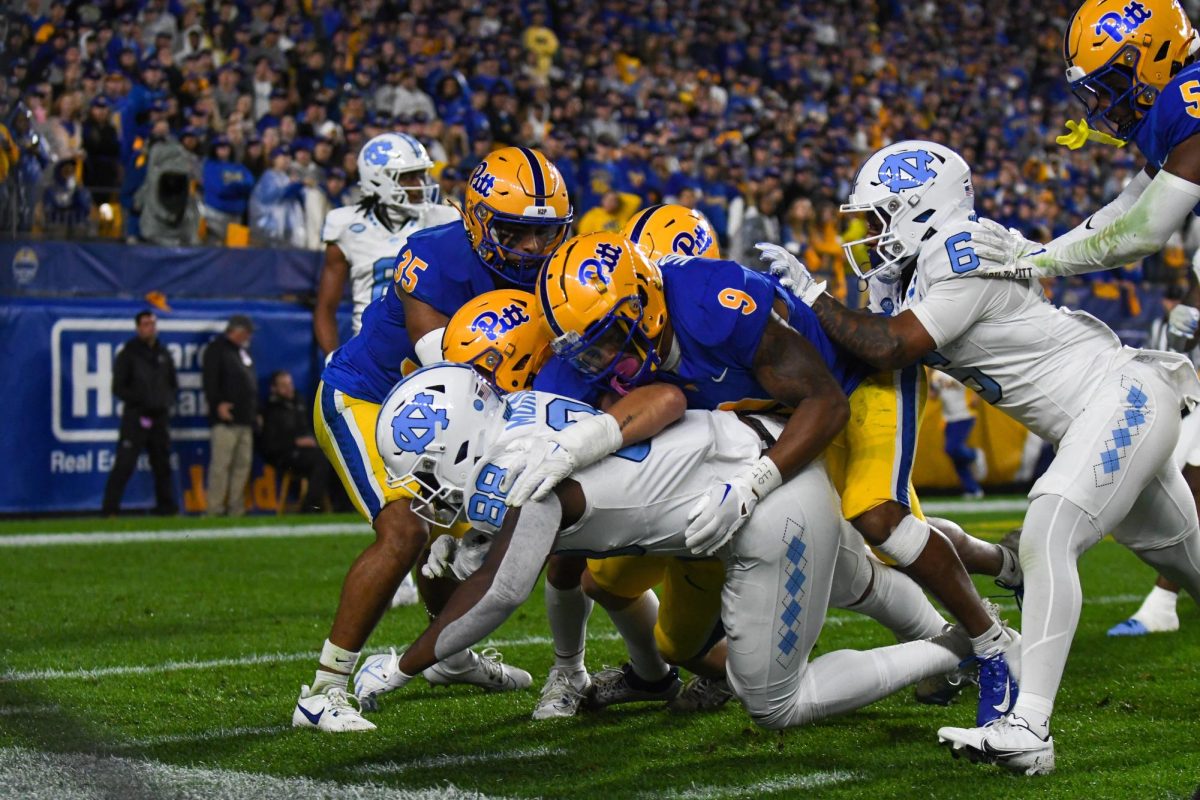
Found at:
[485, 600]
[791, 369]
[329, 295]
[425, 325]
[883, 342]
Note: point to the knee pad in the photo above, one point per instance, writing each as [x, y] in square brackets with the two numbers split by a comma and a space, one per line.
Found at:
[907, 541]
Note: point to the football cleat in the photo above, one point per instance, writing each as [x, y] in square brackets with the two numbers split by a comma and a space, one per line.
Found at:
[998, 686]
[563, 694]
[701, 694]
[406, 593]
[1137, 627]
[944, 689]
[614, 685]
[1007, 742]
[330, 711]
[487, 670]
[378, 675]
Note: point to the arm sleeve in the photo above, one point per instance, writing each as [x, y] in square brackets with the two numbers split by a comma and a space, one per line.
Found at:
[331, 231]
[951, 307]
[520, 565]
[1130, 233]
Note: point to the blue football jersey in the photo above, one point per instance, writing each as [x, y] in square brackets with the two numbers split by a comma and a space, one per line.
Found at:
[371, 363]
[439, 267]
[1175, 116]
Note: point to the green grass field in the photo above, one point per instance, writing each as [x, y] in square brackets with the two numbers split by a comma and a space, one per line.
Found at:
[170, 669]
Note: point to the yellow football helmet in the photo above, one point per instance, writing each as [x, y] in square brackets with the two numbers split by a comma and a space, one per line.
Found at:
[668, 229]
[605, 307]
[502, 335]
[1120, 56]
[517, 212]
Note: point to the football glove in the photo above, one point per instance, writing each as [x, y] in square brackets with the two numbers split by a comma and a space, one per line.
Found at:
[457, 558]
[536, 464]
[792, 275]
[718, 515]
[1080, 134]
[1183, 321]
[1005, 249]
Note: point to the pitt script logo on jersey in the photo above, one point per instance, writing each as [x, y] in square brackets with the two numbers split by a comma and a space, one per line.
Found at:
[693, 243]
[415, 424]
[906, 170]
[492, 324]
[1118, 26]
[601, 267]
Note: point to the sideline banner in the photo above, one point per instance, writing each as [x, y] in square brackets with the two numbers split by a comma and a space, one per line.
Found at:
[60, 416]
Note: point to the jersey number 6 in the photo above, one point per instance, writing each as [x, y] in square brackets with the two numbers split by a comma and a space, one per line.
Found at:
[962, 256]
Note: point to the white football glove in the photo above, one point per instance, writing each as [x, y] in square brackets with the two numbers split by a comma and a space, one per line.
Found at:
[457, 558]
[1183, 321]
[1005, 248]
[793, 275]
[716, 516]
[536, 464]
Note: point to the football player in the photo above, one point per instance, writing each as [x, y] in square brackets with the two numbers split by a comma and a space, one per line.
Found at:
[399, 198]
[1112, 412]
[779, 566]
[732, 339]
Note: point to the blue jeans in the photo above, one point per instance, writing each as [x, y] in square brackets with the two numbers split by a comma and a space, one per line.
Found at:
[962, 456]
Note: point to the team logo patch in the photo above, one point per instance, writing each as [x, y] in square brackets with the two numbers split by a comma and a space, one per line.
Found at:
[693, 243]
[602, 266]
[482, 181]
[1118, 26]
[415, 424]
[493, 325]
[376, 153]
[357, 227]
[906, 170]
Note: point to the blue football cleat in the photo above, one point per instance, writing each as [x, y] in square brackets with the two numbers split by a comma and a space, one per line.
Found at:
[1130, 627]
[997, 689]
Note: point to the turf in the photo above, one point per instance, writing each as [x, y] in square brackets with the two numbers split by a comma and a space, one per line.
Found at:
[1125, 723]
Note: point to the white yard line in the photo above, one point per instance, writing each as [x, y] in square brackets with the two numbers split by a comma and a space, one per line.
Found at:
[202, 736]
[813, 780]
[461, 760]
[237, 661]
[186, 535]
[75, 776]
[1002, 504]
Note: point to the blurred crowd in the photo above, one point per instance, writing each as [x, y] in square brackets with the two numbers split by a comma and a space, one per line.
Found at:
[240, 120]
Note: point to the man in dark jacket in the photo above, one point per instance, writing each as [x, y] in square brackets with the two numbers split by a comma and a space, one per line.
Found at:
[144, 380]
[231, 389]
[287, 441]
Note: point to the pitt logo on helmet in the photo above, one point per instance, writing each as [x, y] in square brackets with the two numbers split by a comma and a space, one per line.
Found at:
[672, 229]
[601, 267]
[492, 324]
[1118, 26]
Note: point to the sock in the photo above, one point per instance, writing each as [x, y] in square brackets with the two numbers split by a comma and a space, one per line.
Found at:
[635, 623]
[1035, 710]
[897, 602]
[990, 642]
[1159, 604]
[338, 663]
[1010, 570]
[567, 611]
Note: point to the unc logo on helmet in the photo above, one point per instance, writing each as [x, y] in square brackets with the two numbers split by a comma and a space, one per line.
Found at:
[693, 243]
[907, 170]
[493, 325]
[481, 181]
[377, 152]
[601, 267]
[1118, 26]
[415, 424]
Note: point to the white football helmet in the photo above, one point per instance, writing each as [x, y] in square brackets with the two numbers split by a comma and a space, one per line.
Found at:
[432, 428]
[385, 159]
[912, 188]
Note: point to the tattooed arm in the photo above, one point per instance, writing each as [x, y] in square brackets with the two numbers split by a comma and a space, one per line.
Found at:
[883, 342]
[791, 369]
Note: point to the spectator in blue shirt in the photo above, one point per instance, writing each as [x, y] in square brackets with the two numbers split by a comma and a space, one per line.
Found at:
[227, 187]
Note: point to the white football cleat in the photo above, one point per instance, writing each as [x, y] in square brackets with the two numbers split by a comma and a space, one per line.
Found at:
[563, 694]
[406, 592]
[378, 675]
[330, 711]
[487, 670]
[701, 694]
[1007, 742]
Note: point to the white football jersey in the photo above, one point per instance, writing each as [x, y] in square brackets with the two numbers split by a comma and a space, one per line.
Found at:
[1002, 338]
[638, 498]
[371, 249]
